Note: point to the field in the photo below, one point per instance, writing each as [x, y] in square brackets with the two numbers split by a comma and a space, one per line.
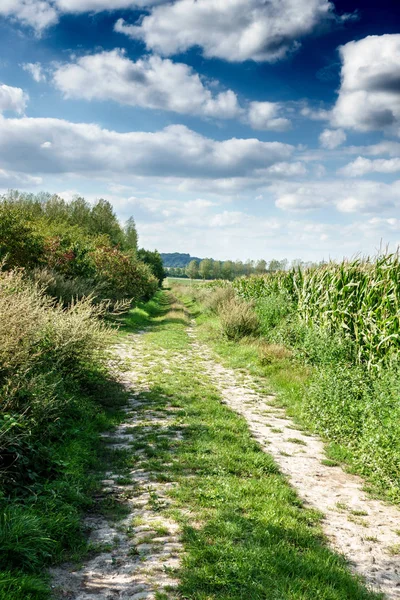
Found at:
[187, 441]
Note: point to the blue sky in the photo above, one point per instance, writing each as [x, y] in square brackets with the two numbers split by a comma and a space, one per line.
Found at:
[233, 129]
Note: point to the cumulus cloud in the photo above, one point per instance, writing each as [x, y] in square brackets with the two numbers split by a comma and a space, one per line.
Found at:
[12, 98]
[332, 138]
[265, 115]
[44, 145]
[369, 95]
[234, 30]
[315, 114]
[157, 83]
[150, 82]
[35, 70]
[37, 14]
[41, 14]
[362, 166]
[348, 197]
[387, 147]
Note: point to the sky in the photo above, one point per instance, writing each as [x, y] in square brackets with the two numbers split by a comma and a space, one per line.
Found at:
[233, 129]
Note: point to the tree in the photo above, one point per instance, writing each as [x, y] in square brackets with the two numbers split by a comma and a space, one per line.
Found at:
[205, 268]
[131, 235]
[227, 269]
[192, 270]
[154, 261]
[104, 221]
[79, 212]
[274, 265]
[261, 266]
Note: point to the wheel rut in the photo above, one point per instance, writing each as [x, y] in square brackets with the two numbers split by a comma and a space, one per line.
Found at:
[364, 530]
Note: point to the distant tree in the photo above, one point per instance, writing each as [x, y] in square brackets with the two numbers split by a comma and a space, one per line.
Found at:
[217, 269]
[248, 267]
[227, 270]
[192, 270]
[131, 235]
[274, 265]
[154, 261]
[261, 266]
[205, 268]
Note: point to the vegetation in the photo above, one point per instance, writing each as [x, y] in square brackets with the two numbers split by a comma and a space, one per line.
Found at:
[209, 268]
[246, 534]
[328, 340]
[82, 248]
[64, 267]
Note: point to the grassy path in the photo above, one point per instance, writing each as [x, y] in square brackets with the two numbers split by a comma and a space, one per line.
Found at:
[194, 508]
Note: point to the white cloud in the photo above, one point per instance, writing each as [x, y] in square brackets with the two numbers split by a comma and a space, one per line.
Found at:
[285, 169]
[150, 82]
[234, 30]
[12, 98]
[10, 179]
[332, 138]
[303, 199]
[385, 147]
[175, 151]
[345, 196]
[369, 96]
[265, 115]
[41, 14]
[35, 69]
[157, 83]
[315, 114]
[37, 14]
[362, 166]
[82, 6]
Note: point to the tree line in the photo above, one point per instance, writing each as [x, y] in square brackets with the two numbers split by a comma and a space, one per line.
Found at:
[209, 268]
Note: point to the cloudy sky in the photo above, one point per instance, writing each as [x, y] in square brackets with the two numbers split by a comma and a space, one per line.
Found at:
[228, 128]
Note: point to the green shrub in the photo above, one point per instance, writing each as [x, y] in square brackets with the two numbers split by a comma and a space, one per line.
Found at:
[360, 411]
[272, 309]
[238, 319]
[20, 243]
[123, 275]
[46, 354]
[214, 299]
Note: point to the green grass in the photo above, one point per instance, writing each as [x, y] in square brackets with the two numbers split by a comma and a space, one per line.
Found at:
[246, 533]
[40, 525]
[353, 410]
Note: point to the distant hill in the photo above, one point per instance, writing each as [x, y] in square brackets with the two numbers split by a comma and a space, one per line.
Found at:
[177, 259]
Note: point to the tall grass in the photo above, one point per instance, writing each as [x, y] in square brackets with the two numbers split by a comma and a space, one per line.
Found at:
[52, 361]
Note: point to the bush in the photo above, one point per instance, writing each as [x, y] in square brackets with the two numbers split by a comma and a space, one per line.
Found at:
[238, 319]
[360, 411]
[20, 244]
[123, 276]
[215, 299]
[68, 290]
[273, 309]
[46, 354]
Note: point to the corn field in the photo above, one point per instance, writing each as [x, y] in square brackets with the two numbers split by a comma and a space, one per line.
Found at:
[360, 298]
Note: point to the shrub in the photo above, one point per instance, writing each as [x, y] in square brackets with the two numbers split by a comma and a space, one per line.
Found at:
[123, 275]
[46, 354]
[238, 319]
[360, 411]
[20, 244]
[217, 297]
[272, 309]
